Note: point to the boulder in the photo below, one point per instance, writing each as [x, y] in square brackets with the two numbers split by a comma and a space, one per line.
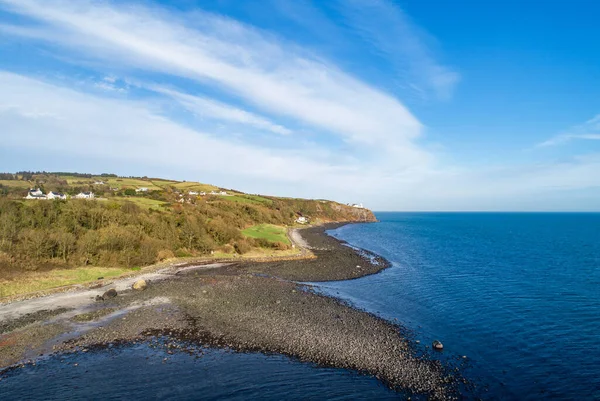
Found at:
[99, 298]
[140, 285]
[110, 294]
[437, 345]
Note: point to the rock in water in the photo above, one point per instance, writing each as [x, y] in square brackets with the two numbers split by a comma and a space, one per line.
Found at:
[140, 285]
[437, 345]
[110, 293]
[99, 298]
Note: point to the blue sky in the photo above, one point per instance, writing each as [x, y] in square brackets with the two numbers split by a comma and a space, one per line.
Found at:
[411, 105]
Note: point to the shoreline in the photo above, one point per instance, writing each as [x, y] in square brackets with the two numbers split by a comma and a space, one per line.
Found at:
[248, 307]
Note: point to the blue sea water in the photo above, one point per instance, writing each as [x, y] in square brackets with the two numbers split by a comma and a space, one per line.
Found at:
[517, 293]
[142, 372]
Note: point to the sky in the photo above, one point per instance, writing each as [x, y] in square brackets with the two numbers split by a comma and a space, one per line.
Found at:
[399, 105]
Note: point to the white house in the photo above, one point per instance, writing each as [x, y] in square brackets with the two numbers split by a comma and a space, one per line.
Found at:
[142, 189]
[193, 193]
[302, 220]
[35, 194]
[56, 195]
[359, 206]
[99, 183]
[202, 193]
[85, 195]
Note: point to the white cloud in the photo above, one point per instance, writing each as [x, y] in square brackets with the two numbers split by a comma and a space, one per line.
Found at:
[67, 124]
[279, 81]
[59, 121]
[273, 76]
[590, 130]
[386, 27]
[213, 109]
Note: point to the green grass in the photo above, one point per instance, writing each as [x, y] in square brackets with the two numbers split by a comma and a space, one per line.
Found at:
[270, 232]
[112, 182]
[128, 183]
[146, 203]
[38, 281]
[254, 199]
[16, 184]
[163, 183]
[240, 199]
[194, 186]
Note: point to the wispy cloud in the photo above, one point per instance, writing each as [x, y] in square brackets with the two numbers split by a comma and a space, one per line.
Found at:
[261, 70]
[46, 117]
[212, 109]
[590, 130]
[385, 25]
[364, 144]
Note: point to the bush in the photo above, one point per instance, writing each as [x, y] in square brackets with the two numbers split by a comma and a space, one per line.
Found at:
[182, 253]
[280, 246]
[165, 254]
[227, 248]
[242, 246]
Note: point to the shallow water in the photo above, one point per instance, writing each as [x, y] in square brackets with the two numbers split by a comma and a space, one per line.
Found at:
[141, 372]
[517, 293]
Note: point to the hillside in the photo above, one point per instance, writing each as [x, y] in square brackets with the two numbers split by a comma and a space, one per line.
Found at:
[134, 221]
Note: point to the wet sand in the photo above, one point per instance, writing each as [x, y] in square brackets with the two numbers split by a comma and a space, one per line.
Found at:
[246, 307]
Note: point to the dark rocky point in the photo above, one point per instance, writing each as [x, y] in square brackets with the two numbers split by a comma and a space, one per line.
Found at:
[110, 293]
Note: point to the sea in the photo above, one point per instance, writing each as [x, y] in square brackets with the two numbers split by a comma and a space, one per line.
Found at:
[513, 297]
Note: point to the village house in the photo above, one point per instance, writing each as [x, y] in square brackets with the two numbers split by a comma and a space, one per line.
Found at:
[99, 183]
[193, 193]
[302, 220]
[221, 193]
[85, 195]
[35, 194]
[56, 195]
[142, 189]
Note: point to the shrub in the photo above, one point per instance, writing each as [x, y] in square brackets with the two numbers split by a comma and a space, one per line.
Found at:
[280, 246]
[227, 248]
[242, 246]
[165, 254]
[182, 253]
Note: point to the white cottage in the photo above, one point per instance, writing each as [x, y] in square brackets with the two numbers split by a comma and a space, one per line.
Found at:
[56, 195]
[35, 194]
[85, 195]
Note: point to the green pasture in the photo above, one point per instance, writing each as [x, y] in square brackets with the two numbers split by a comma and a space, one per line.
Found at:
[269, 232]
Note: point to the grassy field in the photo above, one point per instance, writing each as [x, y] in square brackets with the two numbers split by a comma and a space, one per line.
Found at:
[16, 184]
[255, 199]
[240, 199]
[163, 183]
[146, 203]
[112, 182]
[38, 281]
[129, 183]
[268, 231]
[194, 186]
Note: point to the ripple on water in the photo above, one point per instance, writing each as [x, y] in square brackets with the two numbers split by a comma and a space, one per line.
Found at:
[516, 292]
[142, 371]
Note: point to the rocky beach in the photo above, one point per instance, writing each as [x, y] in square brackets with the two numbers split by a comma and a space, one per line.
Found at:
[243, 306]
